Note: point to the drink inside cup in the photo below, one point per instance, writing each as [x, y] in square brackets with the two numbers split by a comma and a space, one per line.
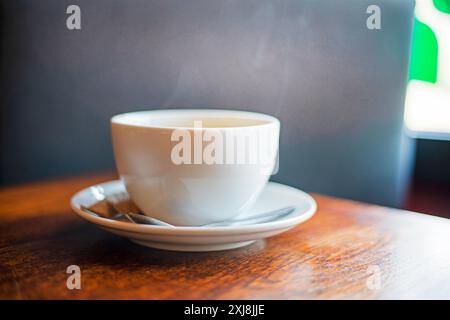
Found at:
[182, 122]
[192, 167]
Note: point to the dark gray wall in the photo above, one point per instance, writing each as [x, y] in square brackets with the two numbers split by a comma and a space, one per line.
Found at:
[336, 86]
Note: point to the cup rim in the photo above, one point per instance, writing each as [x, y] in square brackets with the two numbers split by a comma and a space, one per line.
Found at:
[120, 119]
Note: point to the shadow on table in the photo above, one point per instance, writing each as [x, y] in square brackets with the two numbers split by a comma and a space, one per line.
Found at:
[110, 250]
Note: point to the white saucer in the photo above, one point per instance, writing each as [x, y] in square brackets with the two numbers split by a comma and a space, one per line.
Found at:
[274, 196]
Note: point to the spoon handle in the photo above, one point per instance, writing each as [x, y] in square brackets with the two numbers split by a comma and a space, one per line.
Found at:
[259, 218]
[140, 218]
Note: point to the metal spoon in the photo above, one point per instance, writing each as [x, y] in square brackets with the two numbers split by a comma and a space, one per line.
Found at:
[141, 219]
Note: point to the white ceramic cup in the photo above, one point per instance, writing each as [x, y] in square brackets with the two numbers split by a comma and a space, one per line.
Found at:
[193, 167]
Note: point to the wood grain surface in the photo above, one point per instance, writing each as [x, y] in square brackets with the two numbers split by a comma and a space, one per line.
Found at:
[347, 250]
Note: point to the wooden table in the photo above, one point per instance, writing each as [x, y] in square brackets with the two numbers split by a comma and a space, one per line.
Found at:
[347, 250]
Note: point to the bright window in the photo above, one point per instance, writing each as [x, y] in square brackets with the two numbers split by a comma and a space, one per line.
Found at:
[427, 106]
